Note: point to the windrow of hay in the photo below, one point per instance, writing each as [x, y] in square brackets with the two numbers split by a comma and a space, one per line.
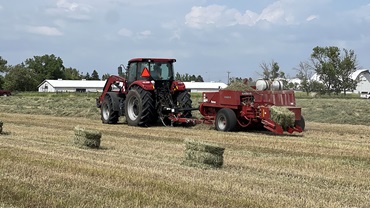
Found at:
[238, 86]
[202, 154]
[1, 126]
[283, 116]
[87, 137]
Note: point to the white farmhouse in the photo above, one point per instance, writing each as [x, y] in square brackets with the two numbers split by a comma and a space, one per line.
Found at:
[71, 86]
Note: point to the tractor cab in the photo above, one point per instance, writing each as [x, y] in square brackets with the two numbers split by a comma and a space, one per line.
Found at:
[150, 69]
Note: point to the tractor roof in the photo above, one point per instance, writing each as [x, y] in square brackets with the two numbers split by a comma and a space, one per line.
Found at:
[152, 59]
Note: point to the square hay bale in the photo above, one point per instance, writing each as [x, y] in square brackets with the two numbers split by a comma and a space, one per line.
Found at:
[283, 116]
[204, 147]
[87, 137]
[202, 154]
[207, 158]
[238, 86]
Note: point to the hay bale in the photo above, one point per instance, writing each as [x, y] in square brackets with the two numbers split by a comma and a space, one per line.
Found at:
[238, 86]
[282, 116]
[204, 158]
[204, 147]
[204, 155]
[87, 137]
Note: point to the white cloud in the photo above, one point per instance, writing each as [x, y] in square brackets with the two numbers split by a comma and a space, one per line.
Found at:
[73, 6]
[125, 32]
[215, 15]
[67, 5]
[145, 33]
[312, 17]
[72, 10]
[283, 12]
[44, 30]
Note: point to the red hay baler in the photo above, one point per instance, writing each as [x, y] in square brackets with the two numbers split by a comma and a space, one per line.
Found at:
[229, 109]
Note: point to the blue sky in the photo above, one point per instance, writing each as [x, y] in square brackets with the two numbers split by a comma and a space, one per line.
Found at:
[207, 38]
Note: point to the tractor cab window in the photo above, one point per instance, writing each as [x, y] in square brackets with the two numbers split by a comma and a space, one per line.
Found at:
[161, 70]
[132, 72]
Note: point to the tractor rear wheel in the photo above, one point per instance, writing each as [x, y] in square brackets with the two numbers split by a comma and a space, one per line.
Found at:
[225, 120]
[301, 123]
[140, 108]
[184, 102]
[108, 115]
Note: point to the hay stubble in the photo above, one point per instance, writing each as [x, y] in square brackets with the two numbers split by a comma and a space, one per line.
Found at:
[326, 166]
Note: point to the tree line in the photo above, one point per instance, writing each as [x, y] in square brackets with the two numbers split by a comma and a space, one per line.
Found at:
[333, 68]
[27, 75]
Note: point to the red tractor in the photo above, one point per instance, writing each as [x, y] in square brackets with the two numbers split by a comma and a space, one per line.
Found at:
[146, 94]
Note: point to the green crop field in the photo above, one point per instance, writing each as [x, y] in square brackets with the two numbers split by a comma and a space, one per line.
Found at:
[328, 165]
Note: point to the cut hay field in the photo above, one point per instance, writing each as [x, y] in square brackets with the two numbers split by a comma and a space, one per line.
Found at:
[326, 166]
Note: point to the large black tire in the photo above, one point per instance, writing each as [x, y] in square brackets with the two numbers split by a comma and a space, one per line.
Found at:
[225, 120]
[301, 123]
[139, 107]
[108, 115]
[184, 101]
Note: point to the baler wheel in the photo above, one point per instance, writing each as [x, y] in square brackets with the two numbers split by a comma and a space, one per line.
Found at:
[225, 120]
[108, 115]
[301, 123]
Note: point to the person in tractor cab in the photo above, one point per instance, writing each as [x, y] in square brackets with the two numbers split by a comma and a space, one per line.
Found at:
[157, 71]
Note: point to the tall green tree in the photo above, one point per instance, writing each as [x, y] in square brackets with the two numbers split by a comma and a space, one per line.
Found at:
[20, 78]
[271, 71]
[46, 67]
[347, 66]
[305, 73]
[94, 75]
[71, 74]
[334, 69]
[3, 63]
[3, 68]
[105, 76]
[87, 76]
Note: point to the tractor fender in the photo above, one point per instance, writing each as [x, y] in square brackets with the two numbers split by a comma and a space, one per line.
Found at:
[178, 85]
[115, 100]
[146, 85]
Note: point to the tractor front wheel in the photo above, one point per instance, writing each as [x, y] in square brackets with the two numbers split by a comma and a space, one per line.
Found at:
[225, 120]
[139, 105]
[108, 115]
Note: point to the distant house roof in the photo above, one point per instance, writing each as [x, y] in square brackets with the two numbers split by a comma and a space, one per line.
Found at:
[353, 76]
[74, 83]
[294, 81]
[205, 85]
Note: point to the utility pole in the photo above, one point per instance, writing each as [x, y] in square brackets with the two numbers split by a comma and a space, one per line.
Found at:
[228, 77]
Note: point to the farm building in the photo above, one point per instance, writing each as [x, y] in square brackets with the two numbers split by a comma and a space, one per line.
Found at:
[205, 86]
[97, 86]
[363, 86]
[362, 75]
[71, 86]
